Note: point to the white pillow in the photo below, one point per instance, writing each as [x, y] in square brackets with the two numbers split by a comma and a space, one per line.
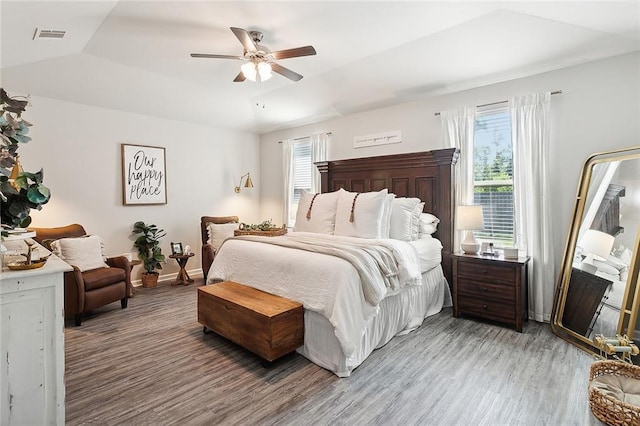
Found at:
[386, 215]
[617, 263]
[405, 215]
[427, 224]
[218, 232]
[367, 214]
[322, 216]
[83, 252]
[415, 221]
[606, 268]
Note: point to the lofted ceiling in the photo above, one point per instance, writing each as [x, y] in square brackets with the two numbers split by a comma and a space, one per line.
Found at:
[135, 55]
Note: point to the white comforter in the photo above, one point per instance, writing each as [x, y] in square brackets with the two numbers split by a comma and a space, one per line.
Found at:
[323, 283]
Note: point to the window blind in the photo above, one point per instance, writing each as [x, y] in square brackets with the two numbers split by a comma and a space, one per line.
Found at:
[302, 168]
[493, 172]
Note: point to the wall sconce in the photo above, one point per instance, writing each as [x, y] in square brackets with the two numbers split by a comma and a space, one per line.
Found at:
[247, 183]
[470, 219]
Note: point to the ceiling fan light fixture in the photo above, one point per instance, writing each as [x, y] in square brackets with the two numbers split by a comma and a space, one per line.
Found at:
[260, 61]
[249, 71]
[264, 70]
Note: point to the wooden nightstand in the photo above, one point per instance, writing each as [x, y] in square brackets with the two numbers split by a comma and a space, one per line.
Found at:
[491, 287]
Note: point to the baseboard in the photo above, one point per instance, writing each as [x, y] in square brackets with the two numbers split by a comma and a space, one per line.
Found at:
[170, 277]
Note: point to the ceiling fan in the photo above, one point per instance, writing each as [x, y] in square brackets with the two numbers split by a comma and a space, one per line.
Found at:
[260, 61]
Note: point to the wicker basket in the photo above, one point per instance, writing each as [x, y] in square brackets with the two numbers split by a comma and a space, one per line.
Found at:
[607, 408]
[270, 233]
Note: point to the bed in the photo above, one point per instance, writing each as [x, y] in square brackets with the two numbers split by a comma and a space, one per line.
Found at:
[350, 310]
[615, 271]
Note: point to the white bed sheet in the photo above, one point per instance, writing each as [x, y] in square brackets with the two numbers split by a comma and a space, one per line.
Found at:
[429, 252]
[399, 314]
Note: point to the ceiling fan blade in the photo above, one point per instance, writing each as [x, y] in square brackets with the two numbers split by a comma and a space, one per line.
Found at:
[208, 55]
[286, 72]
[294, 53]
[245, 39]
[239, 78]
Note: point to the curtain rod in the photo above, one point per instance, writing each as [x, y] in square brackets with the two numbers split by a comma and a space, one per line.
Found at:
[555, 92]
[306, 137]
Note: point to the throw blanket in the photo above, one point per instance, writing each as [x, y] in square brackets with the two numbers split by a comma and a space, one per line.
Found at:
[381, 264]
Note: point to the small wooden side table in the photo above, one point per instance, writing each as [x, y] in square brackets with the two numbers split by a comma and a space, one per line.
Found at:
[183, 277]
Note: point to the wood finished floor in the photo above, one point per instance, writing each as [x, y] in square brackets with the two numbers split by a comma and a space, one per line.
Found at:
[150, 364]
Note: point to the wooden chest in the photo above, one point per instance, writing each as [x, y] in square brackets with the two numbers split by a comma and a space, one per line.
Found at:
[269, 326]
[491, 288]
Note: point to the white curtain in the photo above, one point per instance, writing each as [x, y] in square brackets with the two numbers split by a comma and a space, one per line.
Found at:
[287, 172]
[457, 132]
[530, 117]
[319, 144]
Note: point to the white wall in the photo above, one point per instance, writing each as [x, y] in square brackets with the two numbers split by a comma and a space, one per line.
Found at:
[79, 148]
[598, 110]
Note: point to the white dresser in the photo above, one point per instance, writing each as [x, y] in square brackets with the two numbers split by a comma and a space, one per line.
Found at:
[32, 345]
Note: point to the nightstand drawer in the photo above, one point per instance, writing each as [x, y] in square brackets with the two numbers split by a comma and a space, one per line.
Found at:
[483, 290]
[496, 274]
[488, 309]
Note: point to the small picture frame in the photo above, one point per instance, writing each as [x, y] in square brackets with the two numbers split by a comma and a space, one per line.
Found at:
[487, 249]
[176, 248]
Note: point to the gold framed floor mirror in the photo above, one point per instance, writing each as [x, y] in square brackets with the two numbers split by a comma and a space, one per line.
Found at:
[597, 290]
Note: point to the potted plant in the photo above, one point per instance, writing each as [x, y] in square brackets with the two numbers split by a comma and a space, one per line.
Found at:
[147, 243]
[19, 191]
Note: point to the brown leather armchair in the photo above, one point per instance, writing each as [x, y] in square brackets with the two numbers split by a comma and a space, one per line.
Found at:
[208, 251]
[88, 290]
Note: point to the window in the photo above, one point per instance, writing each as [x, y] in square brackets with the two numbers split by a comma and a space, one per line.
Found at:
[302, 169]
[493, 172]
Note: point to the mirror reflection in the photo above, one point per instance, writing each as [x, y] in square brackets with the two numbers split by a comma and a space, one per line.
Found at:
[600, 262]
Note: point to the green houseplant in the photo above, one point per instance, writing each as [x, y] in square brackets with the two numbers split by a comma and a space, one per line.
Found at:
[19, 191]
[147, 242]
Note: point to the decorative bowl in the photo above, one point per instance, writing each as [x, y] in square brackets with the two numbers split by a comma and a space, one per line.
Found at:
[22, 265]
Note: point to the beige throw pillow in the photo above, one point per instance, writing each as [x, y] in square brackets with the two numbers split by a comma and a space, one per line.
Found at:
[83, 252]
[218, 232]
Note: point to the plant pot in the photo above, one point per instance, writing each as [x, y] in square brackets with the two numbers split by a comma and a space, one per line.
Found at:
[149, 279]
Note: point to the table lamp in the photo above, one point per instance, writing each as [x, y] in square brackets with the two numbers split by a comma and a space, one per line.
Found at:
[470, 219]
[595, 244]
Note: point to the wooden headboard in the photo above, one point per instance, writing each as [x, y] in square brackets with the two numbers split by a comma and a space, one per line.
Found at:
[427, 175]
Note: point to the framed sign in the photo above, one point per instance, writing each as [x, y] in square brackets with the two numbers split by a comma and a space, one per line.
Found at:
[143, 175]
[385, 138]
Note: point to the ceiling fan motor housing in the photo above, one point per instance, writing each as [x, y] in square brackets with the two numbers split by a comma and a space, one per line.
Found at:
[256, 36]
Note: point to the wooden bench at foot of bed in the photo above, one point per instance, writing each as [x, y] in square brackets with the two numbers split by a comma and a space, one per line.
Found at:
[269, 326]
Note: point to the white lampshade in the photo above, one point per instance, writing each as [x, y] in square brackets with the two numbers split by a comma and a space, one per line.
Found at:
[470, 217]
[253, 71]
[264, 70]
[596, 243]
[249, 71]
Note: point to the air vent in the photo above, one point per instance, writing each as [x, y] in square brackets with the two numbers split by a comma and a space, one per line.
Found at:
[48, 34]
